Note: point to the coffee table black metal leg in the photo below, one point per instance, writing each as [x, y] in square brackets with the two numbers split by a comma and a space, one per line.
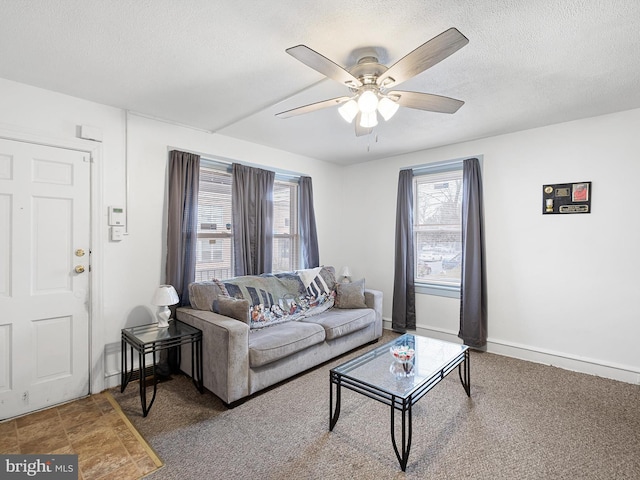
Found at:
[334, 414]
[403, 454]
[465, 378]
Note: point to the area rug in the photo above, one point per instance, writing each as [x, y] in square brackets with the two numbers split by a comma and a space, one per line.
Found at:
[524, 421]
[94, 428]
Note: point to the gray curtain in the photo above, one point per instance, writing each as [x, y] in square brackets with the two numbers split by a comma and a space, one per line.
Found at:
[473, 295]
[308, 233]
[404, 296]
[252, 199]
[182, 221]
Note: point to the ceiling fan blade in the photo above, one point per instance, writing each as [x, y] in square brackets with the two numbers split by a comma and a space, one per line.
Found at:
[312, 107]
[427, 101]
[423, 57]
[322, 64]
[361, 131]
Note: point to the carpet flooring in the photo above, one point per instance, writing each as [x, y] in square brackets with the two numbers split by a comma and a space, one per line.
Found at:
[94, 428]
[523, 421]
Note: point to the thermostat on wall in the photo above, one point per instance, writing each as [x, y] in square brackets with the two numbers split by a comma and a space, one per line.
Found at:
[116, 216]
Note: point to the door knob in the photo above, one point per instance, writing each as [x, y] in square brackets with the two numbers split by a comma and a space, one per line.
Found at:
[79, 269]
[79, 252]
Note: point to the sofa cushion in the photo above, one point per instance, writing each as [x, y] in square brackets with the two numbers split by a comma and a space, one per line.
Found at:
[338, 323]
[270, 344]
[202, 295]
[350, 295]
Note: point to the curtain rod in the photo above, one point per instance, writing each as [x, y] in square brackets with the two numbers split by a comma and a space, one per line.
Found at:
[442, 165]
[216, 159]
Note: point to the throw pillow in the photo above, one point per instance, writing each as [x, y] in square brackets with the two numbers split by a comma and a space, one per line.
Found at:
[350, 295]
[202, 295]
[237, 308]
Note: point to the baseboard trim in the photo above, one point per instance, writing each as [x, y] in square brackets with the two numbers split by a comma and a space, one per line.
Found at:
[111, 379]
[590, 366]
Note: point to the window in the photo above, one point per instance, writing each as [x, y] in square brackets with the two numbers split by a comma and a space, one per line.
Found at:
[285, 226]
[215, 233]
[437, 229]
[214, 256]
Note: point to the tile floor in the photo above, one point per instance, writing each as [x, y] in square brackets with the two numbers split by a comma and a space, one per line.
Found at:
[94, 428]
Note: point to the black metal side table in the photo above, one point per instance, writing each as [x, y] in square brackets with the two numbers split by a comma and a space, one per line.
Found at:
[149, 339]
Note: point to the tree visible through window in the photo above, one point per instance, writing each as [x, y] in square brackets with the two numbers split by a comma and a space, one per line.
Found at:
[437, 227]
[215, 231]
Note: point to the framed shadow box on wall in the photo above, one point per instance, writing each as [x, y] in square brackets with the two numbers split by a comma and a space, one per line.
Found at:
[563, 198]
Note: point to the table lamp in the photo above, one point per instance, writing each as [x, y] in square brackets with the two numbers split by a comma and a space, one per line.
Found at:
[346, 275]
[165, 295]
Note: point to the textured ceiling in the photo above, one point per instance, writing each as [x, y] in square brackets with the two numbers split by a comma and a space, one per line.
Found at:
[221, 65]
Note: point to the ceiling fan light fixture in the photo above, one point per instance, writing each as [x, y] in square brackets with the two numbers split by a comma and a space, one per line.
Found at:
[369, 119]
[349, 110]
[387, 108]
[369, 82]
[368, 101]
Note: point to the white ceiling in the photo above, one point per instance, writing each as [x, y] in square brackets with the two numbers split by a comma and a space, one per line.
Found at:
[221, 66]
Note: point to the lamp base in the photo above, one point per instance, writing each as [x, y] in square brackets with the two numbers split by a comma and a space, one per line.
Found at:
[164, 313]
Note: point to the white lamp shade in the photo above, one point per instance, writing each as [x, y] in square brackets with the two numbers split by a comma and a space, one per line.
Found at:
[368, 119]
[165, 295]
[387, 108]
[368, 101]
[349, 110]
[346, 272]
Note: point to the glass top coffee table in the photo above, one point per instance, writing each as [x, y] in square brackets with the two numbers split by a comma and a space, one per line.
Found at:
[399, 381]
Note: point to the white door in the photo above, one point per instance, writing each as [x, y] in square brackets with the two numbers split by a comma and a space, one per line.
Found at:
[44, 299]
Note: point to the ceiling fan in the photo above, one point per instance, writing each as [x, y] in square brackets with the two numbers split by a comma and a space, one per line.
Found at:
[369, 82]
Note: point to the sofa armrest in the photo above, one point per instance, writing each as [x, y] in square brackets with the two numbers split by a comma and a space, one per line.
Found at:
[373, 299]
[225, 352]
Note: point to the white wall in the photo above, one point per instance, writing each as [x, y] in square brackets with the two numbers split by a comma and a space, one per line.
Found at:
[130, 270]
[148, 144]
[561, 289]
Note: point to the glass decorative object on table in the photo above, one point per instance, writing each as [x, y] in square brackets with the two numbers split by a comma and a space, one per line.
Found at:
[403, 365]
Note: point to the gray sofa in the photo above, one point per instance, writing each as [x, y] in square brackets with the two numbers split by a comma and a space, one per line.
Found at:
[260, 330]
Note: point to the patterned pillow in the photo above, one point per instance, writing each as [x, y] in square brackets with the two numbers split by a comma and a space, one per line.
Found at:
[284, 297]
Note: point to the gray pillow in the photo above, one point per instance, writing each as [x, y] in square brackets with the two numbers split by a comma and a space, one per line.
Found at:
[350, 295]
[202, 295]
[237, 308]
